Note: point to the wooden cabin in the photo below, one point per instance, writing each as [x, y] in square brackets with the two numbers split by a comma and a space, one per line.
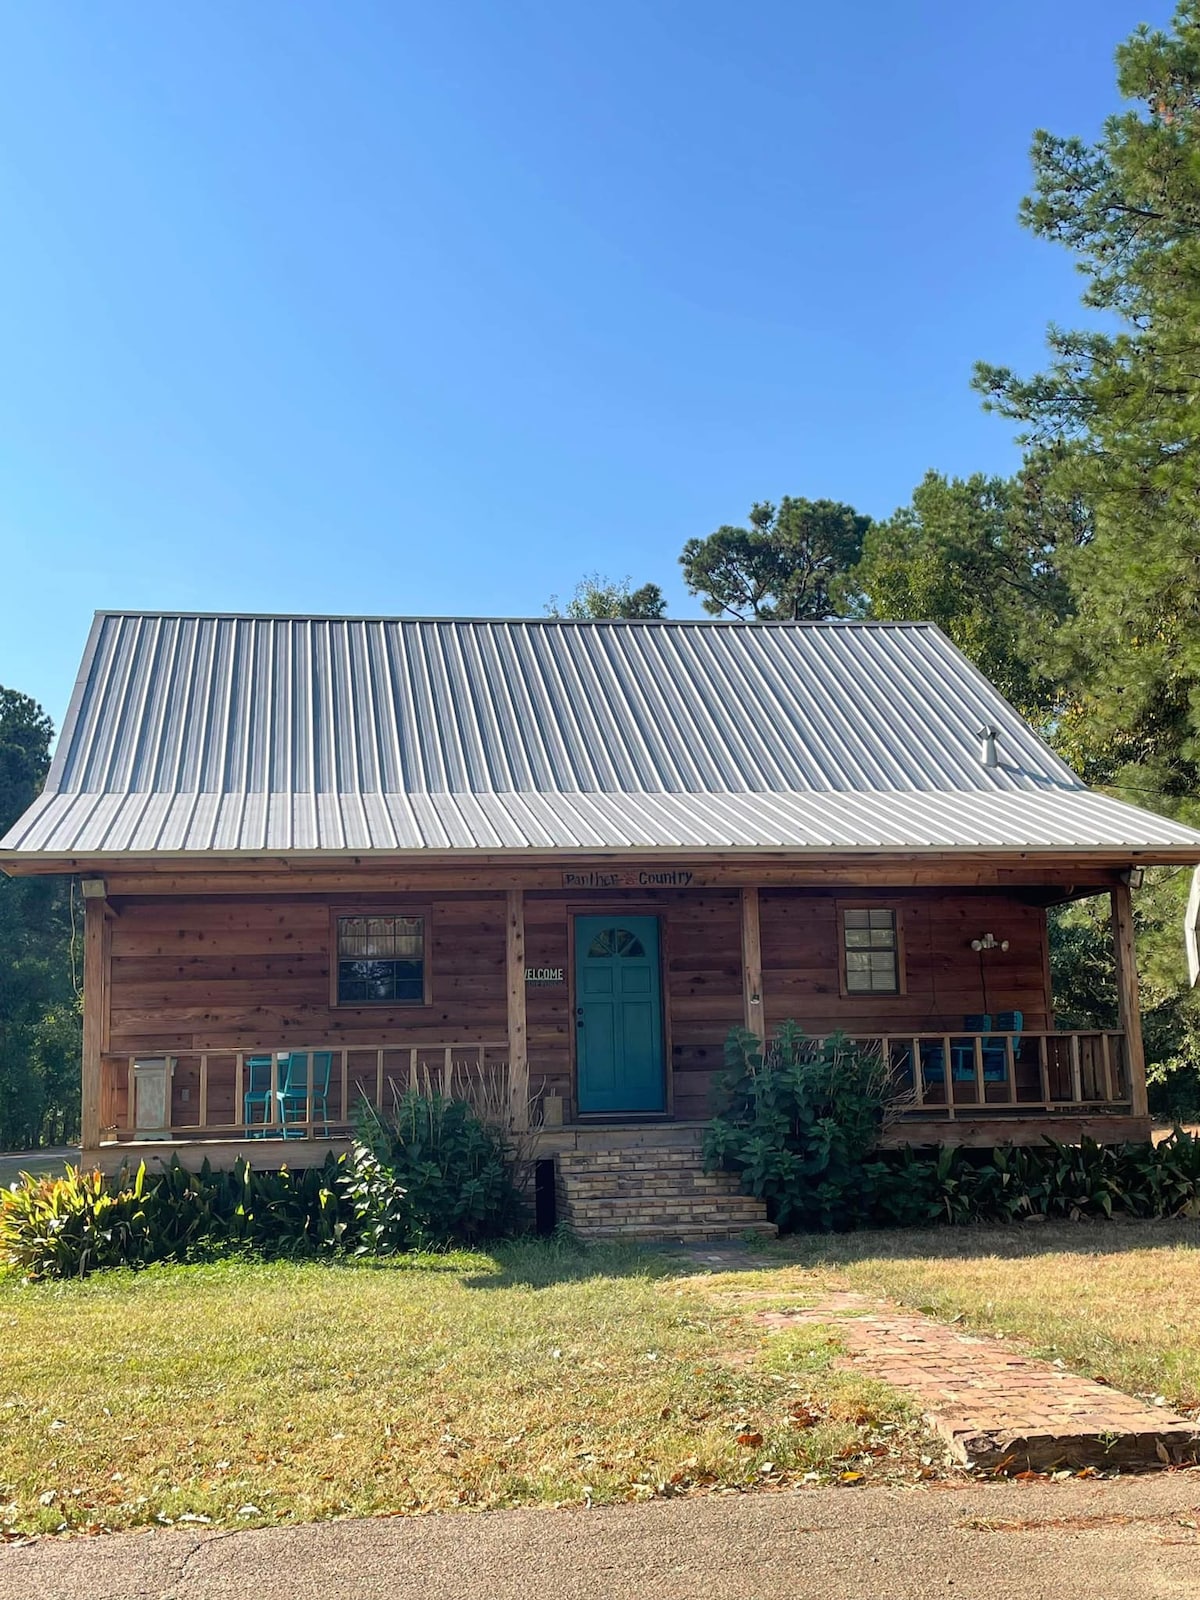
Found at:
[553, 864]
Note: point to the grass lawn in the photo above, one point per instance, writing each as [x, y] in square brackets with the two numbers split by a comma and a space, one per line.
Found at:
[1116, 1300]
[245, 1392]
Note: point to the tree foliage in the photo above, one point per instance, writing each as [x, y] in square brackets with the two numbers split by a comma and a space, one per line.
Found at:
[597, 598]
[1120, 405]
[981, 557]
[788, 565]
[39, 1007]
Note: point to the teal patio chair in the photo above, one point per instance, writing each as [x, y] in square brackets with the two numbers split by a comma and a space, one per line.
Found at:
[962, 1051]
[258, 1097]
[293, 1092]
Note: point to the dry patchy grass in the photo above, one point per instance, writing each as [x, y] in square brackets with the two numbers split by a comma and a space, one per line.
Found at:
[1117, 1300]
[244, 1392]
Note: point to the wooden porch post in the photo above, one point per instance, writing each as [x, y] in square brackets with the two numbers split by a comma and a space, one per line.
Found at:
[752, 982]
[1128, 1004]
[518, 1044]
[95, 1019]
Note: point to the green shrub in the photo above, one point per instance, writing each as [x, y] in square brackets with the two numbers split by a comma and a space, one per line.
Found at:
[433, 1173]
[1008, 1184]
[59, 1227]
[798, 1121]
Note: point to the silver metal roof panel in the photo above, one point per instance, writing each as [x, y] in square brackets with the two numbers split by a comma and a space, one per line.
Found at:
[324, 734]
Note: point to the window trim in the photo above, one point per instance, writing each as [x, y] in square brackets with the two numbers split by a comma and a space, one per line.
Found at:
[901, 973]
[370, 1006]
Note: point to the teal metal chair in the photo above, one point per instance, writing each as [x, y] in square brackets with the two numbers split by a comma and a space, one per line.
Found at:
[258, 1097]
[962, 1051]
[293, 1093]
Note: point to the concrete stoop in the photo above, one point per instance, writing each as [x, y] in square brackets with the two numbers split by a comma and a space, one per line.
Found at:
[651, 1191]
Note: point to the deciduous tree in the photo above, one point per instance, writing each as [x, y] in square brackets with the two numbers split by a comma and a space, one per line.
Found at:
[790, 564]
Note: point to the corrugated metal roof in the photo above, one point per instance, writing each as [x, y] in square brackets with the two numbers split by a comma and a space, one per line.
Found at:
[253, 734]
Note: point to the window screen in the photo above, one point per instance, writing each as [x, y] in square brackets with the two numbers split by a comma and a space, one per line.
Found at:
[872, 954]
[380, 961]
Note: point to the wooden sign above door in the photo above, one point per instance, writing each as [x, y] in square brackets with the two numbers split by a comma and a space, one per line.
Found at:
[631, 878]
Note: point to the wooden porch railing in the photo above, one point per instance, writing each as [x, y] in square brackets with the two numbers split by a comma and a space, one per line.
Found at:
[1033, 1070]
[206, 1089]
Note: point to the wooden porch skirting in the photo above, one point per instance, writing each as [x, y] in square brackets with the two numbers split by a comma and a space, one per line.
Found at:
[977, 1132]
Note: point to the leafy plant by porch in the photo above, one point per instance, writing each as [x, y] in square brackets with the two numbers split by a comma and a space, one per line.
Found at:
[798, 1119]
[82, 1222]
[434, 1174]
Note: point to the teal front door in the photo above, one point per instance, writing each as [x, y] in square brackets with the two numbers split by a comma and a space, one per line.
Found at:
[618, 1014]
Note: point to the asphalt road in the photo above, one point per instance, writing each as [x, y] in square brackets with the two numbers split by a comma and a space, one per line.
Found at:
[1125, 1540]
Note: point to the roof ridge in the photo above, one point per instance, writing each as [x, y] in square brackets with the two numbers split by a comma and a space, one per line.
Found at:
[839, 624]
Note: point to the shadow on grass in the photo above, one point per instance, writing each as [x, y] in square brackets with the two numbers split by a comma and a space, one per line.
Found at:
[534, 1263]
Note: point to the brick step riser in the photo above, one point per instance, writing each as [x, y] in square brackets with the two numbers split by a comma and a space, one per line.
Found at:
[685, 1232]
[653, 1191]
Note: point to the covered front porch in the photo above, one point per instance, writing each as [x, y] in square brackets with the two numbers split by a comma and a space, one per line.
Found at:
[295, 1106]
[724, 956]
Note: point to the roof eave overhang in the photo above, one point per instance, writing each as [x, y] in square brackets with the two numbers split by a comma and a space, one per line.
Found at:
[33, 862]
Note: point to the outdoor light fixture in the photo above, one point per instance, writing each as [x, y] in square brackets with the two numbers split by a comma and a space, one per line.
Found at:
[988, 941]
[1134, 877]
[94, 888]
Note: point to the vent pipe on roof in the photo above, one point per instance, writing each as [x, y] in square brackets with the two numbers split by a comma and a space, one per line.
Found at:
[987, 746]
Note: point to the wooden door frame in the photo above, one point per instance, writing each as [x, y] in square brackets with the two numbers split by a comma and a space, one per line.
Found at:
[630, 908]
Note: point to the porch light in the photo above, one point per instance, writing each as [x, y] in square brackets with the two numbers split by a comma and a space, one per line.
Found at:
[988, 941]
[1134, 877]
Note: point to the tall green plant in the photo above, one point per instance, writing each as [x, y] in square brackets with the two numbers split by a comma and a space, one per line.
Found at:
[431, 1173]
[68, 1226]
[797, 1120]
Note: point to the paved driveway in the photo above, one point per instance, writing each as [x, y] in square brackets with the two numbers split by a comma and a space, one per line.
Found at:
[1129, 1540]
[14, 1162]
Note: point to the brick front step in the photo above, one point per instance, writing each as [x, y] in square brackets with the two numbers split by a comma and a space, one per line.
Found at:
[644, 1191]
[681, 1233]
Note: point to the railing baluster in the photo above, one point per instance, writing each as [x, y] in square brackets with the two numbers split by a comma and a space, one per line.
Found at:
[1106, 1065]
[948, 1074]
[1010, 1061]
[414, 1080]
[1076, 1071]
[203, 1090]
[447, 1071]
[980, 1085]
[1120, 1070]
[379, 1081]
[239, 1104]
[344, 1107]
[1044, 1070]
[131, 1094]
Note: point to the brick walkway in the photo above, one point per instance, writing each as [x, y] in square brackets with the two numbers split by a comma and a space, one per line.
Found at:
[996, 1408]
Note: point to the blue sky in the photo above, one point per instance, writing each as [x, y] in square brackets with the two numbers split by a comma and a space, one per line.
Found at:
[431, 309]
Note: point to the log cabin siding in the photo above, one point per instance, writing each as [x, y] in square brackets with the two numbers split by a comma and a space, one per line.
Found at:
[229, 973]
